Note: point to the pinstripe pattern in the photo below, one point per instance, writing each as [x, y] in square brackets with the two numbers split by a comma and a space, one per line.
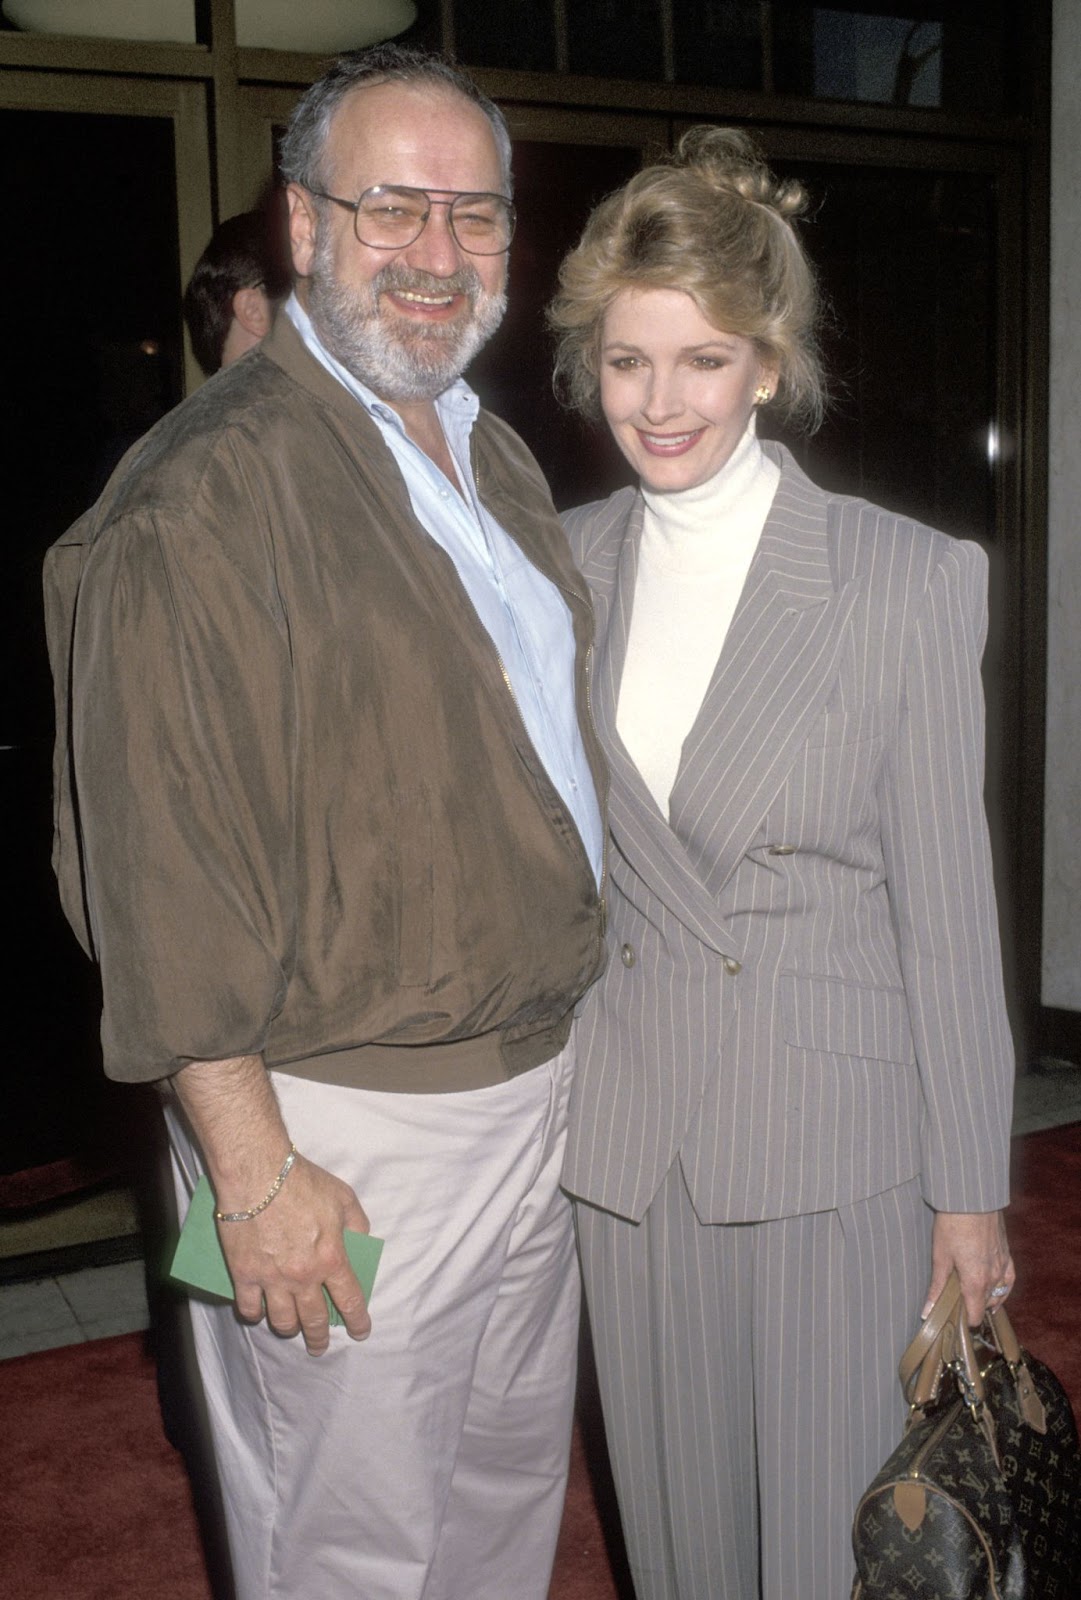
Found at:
[801, 1027]
[709, 1332]
[864, 1039]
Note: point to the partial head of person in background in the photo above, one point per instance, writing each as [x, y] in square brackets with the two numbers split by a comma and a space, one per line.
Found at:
[238, 280]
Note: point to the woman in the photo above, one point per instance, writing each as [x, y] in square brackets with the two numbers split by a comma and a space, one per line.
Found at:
[792, 1114]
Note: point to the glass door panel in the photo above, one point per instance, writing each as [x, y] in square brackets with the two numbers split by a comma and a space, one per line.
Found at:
[908, 262]
[91, 328]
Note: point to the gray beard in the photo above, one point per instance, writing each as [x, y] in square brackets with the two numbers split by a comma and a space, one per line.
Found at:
[396, 359]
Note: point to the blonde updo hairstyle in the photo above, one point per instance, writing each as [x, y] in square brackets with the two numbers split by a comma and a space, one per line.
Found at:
[714, 222]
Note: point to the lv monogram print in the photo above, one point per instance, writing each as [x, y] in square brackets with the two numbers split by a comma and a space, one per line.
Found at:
[943, 1520]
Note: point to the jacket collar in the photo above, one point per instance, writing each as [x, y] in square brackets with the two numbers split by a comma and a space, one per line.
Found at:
[508, 478]
[784, 640]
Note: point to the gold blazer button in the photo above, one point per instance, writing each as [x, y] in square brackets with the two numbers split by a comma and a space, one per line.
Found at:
[782, 849]
[627, 955]
[732, 966]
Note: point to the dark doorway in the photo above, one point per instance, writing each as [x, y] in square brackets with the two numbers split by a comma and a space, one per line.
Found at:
[91, 331]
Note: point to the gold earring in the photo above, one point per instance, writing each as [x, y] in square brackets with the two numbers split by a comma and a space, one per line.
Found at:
[762, 394]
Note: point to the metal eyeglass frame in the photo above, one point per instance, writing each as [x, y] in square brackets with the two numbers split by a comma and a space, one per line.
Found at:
[407, 189]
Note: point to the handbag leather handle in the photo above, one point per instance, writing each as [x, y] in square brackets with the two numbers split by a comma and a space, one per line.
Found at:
[930, 1334]
[945, 1338]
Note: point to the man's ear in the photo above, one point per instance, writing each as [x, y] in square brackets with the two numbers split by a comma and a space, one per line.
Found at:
[303, 224]
[251, 308]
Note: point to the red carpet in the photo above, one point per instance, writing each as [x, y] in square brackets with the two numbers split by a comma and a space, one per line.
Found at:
[96, 1503]
[1045, 1236]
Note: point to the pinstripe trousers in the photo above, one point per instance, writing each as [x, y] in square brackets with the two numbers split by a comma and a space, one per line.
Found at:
[748, 1376]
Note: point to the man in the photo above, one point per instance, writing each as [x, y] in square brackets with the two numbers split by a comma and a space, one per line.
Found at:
[231, 296]
[339, 855]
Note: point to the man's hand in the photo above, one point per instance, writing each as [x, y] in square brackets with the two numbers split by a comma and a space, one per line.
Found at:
[973, 1242]
[287, 1253]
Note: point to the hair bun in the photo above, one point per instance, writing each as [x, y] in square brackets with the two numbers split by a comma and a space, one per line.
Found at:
[730, 162]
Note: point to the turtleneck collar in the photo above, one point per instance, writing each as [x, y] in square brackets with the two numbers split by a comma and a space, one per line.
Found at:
[696, 529]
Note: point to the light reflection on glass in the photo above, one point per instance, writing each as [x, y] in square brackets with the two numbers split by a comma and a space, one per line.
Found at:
[889, 60]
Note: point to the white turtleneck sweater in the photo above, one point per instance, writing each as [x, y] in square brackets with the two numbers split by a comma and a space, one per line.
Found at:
[697, 545]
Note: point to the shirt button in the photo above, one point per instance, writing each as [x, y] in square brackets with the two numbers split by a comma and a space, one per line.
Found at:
[627, 955]
[732, 966]
[782, 849]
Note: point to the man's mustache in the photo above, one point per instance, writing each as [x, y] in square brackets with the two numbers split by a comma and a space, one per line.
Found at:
[397, 276]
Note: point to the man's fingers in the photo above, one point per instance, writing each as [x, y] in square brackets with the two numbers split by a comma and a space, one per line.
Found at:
[249, 1303]
[354, 1216]
[281, 1313]
[289, 1252]
[314, 1321]
[348, 1297]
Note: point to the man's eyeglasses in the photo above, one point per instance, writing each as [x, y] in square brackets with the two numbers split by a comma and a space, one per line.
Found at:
[390, 217]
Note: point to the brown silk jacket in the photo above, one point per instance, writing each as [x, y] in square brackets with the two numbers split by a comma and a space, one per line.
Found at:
[297, 811]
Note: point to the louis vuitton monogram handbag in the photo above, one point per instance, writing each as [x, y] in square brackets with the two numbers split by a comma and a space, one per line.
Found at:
[981, 1500]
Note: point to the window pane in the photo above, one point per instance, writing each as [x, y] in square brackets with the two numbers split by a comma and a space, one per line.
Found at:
[719, 42]
[615, 38]
[888, 59]
[907, 261]
[947, 53]
[517, 34]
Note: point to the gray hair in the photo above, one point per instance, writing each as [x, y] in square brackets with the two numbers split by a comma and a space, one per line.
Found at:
[305, 140]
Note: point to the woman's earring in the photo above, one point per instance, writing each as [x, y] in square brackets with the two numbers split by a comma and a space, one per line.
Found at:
[762, 394]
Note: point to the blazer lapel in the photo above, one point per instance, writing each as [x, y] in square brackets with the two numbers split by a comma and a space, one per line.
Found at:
[638, 828]
[772, 679]
[612, 577]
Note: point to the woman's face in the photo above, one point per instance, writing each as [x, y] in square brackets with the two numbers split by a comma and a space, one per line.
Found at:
[677, 392]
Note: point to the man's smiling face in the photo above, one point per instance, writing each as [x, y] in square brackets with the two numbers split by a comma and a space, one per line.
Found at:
[405, 322]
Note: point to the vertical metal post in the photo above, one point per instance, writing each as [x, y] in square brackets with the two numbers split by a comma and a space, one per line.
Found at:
[215, 25]
[668, 39]
[562, 35]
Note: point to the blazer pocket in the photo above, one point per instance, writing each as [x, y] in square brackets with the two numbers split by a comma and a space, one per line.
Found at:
[842, 727]
[836, 1017]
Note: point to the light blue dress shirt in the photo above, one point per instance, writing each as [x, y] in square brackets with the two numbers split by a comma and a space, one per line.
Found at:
[522, 611]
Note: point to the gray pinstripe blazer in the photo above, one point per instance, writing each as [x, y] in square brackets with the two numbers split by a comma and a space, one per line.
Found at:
[803, 1000]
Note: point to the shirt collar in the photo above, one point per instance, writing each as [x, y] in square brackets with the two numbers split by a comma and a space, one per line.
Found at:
[458, 403]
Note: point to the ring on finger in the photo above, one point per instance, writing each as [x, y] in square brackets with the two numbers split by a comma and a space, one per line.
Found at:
[998, 1291]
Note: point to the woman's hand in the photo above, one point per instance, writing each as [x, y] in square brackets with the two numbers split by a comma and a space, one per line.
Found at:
[973, 1243]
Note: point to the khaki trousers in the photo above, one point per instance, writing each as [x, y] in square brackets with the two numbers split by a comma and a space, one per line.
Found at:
[430, 1461]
